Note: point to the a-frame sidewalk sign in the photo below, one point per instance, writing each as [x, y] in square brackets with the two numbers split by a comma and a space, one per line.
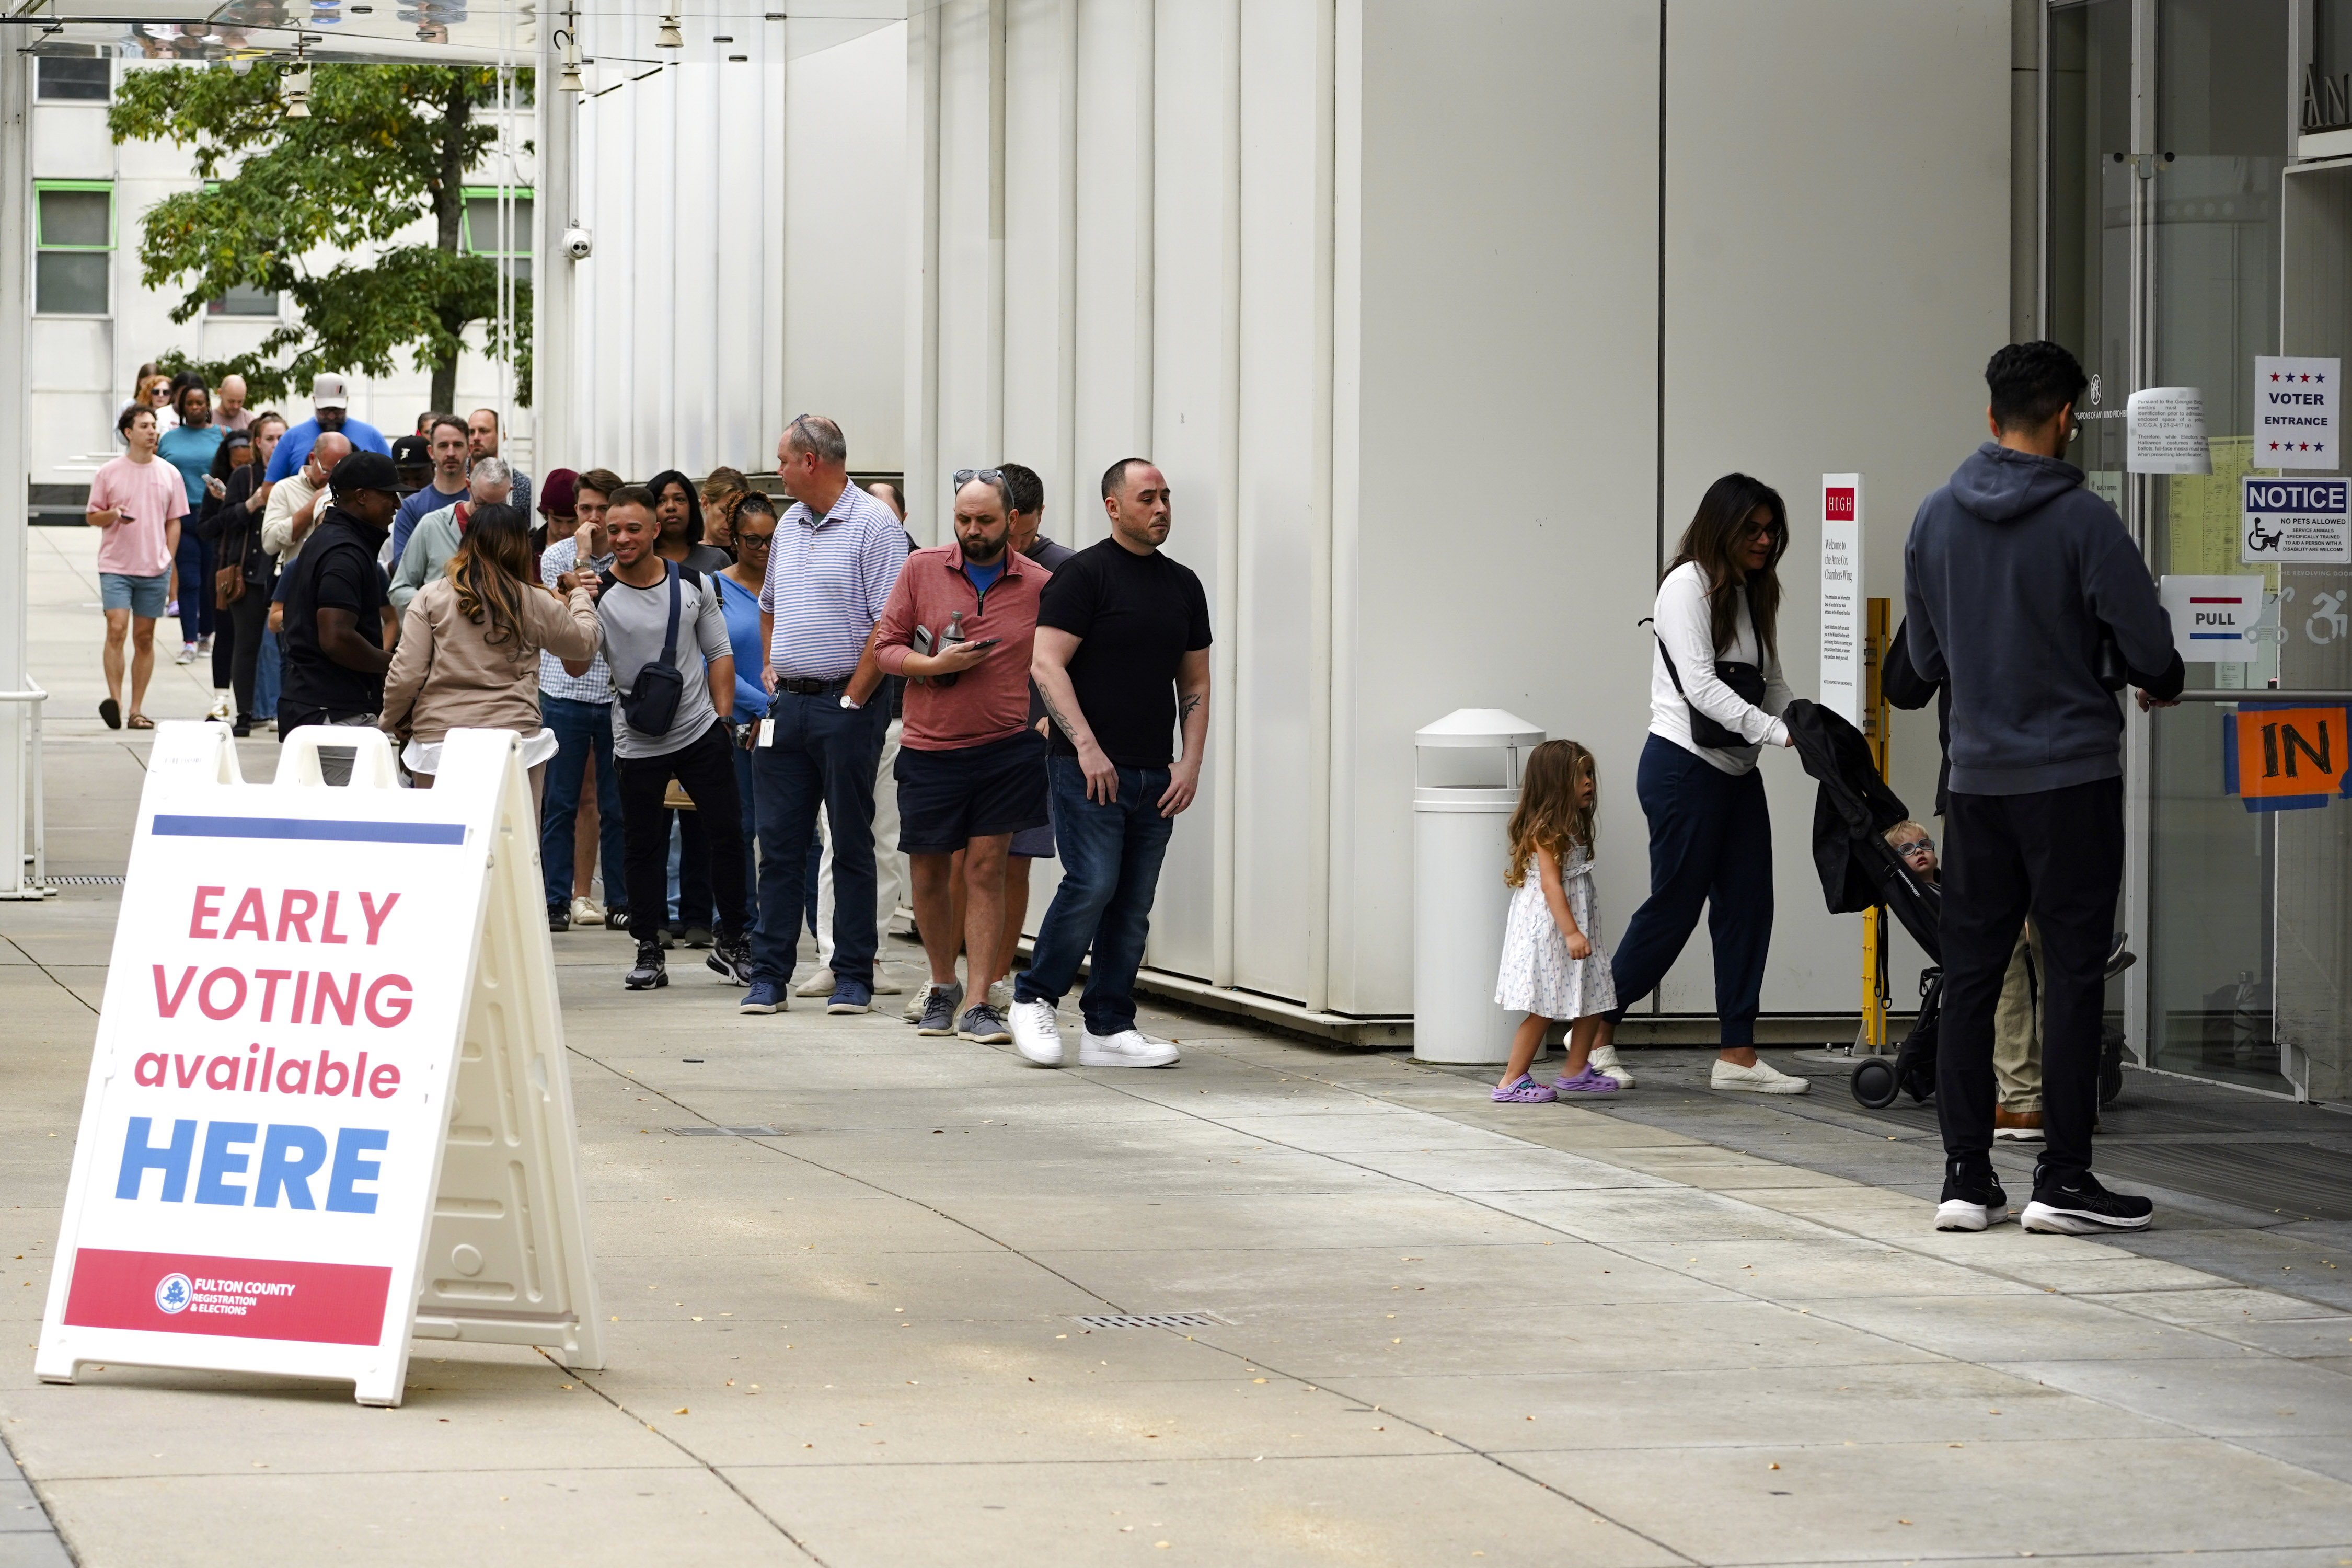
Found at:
[329, 1108]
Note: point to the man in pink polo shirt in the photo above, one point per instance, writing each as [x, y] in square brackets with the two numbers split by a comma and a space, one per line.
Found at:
[138, 502]
[970, 771]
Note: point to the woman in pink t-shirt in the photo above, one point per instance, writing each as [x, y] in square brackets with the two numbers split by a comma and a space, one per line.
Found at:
[138, 500]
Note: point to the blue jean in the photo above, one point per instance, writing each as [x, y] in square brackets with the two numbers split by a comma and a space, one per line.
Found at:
[196, 562]
[265, 673]
[1110, 871]
[582, 730]
[1711, 844]
[820, 753]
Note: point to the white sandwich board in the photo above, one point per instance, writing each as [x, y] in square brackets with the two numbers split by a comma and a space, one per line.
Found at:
[329, 1107]
[1845, 679]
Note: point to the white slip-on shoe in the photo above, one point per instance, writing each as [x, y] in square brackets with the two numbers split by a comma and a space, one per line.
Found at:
[999, 996]
[1038, 1033]
[817, 984]
[1604, 1062]
[1761, 1078]
[1128, 1048]
[586, 912]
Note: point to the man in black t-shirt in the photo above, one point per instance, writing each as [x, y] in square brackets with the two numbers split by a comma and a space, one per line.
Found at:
[1122, 657]
[335, 600]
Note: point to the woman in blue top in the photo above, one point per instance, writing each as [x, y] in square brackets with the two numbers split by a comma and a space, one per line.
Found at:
[190, 448]
[739, 595]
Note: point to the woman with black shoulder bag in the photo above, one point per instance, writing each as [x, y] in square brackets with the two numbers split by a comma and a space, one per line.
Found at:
[1715, 694]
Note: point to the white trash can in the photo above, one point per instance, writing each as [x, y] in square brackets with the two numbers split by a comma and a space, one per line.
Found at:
[1466, 784]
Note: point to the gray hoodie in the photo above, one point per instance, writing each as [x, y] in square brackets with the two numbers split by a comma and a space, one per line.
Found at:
[2011, 570]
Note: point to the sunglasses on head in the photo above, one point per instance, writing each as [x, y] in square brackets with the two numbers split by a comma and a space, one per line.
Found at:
[987, 476]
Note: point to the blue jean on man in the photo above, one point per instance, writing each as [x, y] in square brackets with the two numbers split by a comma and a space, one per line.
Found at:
[265, 675]
[582, 730]
[1110, 871]
[820, 753]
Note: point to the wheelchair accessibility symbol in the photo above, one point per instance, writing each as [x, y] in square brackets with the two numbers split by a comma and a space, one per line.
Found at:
[2327, 620]
[2261, 541]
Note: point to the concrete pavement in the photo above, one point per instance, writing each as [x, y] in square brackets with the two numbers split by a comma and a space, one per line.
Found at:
[1430, 1328]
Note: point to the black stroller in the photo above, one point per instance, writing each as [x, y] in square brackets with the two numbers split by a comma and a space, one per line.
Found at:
[1859, 871]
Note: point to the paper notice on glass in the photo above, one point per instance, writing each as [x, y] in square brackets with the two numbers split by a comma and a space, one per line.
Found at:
[2294, 412]
[2167, 431]
[2212, 615]
[1843, 678]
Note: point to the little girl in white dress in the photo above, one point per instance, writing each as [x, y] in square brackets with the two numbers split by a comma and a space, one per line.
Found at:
[1554, 966]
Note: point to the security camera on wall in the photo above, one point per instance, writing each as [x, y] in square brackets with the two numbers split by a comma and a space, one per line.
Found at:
[578, 244]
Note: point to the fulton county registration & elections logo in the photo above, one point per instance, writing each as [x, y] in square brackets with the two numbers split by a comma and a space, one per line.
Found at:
[173, 1291]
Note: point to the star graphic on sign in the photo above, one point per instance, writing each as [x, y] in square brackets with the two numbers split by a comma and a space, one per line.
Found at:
[2306, 375]
[2274, 446]
[2274, 375]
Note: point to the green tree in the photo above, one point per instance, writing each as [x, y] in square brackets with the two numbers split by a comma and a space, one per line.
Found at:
[384, 146]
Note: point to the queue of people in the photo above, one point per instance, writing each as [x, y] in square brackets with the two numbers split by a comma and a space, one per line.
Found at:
[754, 723]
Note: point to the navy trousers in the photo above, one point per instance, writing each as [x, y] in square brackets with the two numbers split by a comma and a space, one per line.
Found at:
[1711, 844]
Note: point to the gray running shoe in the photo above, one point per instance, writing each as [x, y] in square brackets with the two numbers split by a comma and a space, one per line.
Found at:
[939, 1011]
[984, 1025]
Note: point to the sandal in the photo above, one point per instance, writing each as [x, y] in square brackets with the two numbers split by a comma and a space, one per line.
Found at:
[111, 711]
[1526, 1091]
[139, 721]
[1591, 1080]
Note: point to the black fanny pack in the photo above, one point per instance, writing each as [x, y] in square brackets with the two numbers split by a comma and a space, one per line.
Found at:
[1746, 680]
[650, 704]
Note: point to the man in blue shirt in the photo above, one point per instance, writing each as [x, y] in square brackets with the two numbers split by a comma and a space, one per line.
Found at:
[448, 487]
[331, 399]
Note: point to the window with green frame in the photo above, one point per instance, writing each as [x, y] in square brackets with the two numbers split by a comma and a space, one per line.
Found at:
[73, 244]
[481, 236]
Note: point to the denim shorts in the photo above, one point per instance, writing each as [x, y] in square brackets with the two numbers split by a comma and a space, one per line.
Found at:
[144, 597]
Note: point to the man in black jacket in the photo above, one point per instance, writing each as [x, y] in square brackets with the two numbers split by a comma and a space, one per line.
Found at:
[337, 642]
[2013, 574]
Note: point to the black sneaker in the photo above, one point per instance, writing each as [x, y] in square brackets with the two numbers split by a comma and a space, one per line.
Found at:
[1973, 1200]
[730, 957]
[559, 917]
[2079, 1206]
[616, 919]
[650, 972]
[939, 1011]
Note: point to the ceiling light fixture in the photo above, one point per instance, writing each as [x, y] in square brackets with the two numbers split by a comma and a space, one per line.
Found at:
[669, 37]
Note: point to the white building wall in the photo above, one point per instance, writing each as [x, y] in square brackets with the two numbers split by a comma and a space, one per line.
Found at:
[1420, 243]
[80, 367]
[747, 225]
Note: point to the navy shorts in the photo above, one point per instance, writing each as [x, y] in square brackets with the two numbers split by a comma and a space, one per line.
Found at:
[948, 798]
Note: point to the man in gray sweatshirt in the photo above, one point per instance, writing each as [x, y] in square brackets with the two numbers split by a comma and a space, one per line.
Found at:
[2013, 576]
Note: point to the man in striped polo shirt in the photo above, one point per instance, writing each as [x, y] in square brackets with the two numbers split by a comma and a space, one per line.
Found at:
[836, 556]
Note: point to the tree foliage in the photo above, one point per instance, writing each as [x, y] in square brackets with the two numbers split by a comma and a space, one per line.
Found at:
[384, 147]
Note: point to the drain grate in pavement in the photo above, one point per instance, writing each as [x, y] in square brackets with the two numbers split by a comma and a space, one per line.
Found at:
[1156, 1320]
[762, 1132]
[86, 881]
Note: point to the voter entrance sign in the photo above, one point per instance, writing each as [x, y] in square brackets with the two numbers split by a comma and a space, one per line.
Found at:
[329, 1106]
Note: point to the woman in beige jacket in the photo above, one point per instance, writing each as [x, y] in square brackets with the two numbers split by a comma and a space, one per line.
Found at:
[469, 646]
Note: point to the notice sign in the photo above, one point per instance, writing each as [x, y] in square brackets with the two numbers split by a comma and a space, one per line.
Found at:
[294, 999]
[2295, 413]
[2294, 520]
[2167, 427]
[1845, 682]
[2211, 616]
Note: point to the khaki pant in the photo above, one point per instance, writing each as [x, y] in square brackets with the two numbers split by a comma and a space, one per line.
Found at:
[2017, 1026]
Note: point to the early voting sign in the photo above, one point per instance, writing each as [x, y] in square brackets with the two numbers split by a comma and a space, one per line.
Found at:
[329, 1106]
[2294, 520]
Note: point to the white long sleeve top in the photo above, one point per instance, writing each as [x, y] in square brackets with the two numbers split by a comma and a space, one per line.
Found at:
[1681, 622]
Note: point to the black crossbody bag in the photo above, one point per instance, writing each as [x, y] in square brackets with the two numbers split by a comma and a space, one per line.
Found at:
[1746, 680]
[650, 704]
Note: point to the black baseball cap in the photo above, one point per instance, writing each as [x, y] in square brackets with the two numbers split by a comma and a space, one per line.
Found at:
[365, 471]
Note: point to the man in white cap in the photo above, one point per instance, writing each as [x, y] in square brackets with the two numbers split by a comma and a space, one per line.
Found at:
[331, 401]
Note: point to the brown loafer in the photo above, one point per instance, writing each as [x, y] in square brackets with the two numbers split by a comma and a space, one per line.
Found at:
[2021, 1126]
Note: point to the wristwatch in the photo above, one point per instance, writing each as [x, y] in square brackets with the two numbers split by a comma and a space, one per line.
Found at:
[851, 706]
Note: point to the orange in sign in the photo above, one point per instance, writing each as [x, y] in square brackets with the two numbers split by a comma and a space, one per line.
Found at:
[2291, 751]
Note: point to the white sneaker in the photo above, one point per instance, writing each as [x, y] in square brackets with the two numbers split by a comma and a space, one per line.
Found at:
[1761, 1078]
[1038, 1033]
[586, 912]
[187, 654]
[220, 709]
[817, 984]
[1127, 1048]
[1605, 1063]
[886, 986]
[999, 996]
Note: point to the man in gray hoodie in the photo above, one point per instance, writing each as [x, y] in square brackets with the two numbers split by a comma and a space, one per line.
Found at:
[2013, 577]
